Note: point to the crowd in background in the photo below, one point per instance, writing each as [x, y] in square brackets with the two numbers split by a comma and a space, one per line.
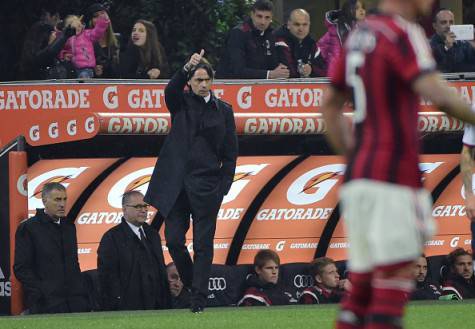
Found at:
[86, 46]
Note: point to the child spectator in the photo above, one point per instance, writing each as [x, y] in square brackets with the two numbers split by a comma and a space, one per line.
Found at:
[328, 287]
[144, 57]
[263, 288]
[79, 48]
[106, 49]
[339, 23]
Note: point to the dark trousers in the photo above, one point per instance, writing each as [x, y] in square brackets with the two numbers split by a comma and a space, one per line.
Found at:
[194, 274]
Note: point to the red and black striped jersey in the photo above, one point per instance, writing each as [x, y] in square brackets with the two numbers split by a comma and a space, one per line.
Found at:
[378, 64]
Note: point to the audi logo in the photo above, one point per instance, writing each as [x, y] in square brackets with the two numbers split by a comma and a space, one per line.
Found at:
[216, 284]
[303, 281]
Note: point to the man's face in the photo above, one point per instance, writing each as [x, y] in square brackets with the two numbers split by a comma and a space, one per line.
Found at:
[261, 19]
[269, 273]
[443, 22]
[135, 210]
[329, 277]
[299, 25]
[464, 266]
[420, 269]
[200, 83]
[55, 204]
[174, 281]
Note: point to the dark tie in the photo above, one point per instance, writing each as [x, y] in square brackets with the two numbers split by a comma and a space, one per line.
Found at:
[142, 235]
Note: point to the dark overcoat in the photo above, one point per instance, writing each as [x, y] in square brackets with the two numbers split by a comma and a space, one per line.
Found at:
[125, 276]
[199, 154]
[46, 264]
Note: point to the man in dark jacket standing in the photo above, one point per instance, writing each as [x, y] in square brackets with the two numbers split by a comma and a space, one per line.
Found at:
[130, 261]
[46, 258]
[195, 169]
[296, 49]
[250, 51]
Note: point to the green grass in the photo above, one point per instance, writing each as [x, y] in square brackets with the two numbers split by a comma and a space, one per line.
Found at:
[446, 315]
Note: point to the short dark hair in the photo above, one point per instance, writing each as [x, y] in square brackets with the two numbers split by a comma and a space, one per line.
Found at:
[452, 257]
[318, 264]
[265, 255]
[49, 187]
[205, 65]
[126, 196]
[263, 5]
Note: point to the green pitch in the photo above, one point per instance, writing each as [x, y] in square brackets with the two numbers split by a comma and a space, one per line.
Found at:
[446, 315]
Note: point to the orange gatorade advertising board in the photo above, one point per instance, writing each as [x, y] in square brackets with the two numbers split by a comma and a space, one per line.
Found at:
[54, 112]
[434, 168]
[297, 210]
[74, 174]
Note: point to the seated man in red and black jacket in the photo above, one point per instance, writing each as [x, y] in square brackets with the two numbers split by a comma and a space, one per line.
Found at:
[328, 287]
[296, 49]
[263, 288]
[425, 289]
[460, 280]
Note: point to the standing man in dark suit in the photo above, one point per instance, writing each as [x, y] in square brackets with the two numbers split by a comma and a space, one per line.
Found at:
[195, 169]
[46, 258]
[130, 261]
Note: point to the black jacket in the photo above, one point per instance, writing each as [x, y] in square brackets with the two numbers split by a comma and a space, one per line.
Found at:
[462, 288]
[459, 58]
[290, 50]
[46, 264]
[108, 57]
[130, 278]
[259, 293]
[199, 153]
[131, 67]
[426, 290]
[248, 53]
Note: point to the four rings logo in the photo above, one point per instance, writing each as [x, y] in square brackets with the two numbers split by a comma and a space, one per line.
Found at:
[217, 284]
[303, 281]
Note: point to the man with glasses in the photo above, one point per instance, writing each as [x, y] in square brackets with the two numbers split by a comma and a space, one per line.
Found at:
[130, 262]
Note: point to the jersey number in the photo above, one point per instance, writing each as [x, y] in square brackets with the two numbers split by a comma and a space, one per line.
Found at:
[354, 61]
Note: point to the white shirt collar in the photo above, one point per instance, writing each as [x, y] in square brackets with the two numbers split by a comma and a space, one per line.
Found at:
[135, 229]
[207, 98]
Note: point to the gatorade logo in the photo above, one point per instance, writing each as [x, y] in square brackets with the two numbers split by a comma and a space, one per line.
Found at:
[135, 181]
[242, 177]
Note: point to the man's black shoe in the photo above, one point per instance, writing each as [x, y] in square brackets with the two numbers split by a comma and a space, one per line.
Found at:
[197, 309]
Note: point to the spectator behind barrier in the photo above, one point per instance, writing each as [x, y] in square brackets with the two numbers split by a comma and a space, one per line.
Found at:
[41, 48]
[181, 297]
[80, 47]
[296, 49]
[130, 261]
[46, 258]
[451, 55]
[425, 288]
[106, 49]
[460, 280]
[339, 23]
[328, 287]
[144, 57]
[249, 52]
[262, 287]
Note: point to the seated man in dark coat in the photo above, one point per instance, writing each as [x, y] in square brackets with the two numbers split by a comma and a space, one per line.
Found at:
[249, 52]
[46, 258]
[181, 296]
[263, 288]
[328, 288]
[130, 261]
[460, 280]
[296, 49]
[425, 288]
